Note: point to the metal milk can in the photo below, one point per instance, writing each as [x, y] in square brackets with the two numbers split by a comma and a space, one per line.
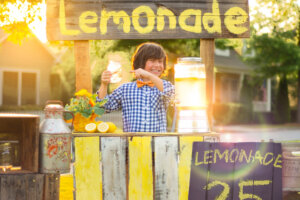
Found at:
[55, 140]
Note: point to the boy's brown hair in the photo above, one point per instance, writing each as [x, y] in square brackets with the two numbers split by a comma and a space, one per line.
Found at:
[145, 51]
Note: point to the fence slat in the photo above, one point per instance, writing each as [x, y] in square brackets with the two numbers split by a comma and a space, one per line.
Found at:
[140, 168]
[114, 168]
[184, 164]
[166, 177]
[88, 175]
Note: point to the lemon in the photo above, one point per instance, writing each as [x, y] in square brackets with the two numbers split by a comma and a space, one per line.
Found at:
[90, 127]
[112, 127]
[103, 127]
[118, 130]
[98, 122]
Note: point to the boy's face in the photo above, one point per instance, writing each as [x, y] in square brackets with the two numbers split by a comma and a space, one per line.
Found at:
[155, 66]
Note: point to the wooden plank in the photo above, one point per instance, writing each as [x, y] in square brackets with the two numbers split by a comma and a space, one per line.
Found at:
[51, 187]
[34, 188]
[253, 178]
[221, 171]
[22, 187]
[166, 168]
[199, 175]
[138, 134]
[207, 53]
[66, 187]
[114, 168]
[83, 69]
[140, 168]
[91, 20]
[88, 174]
[184, 164]
[277, 173]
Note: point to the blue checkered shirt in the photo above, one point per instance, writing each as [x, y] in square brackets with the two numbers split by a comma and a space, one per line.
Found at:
[143, 109]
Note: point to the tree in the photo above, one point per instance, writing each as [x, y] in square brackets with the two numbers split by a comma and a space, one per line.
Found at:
[17, 25]
[275, 55]
[281, 20]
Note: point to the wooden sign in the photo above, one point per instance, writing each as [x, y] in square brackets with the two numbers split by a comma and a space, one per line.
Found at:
[236, 171]
[147, 19]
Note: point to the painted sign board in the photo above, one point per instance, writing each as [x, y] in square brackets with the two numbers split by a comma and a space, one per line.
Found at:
[146, 19]
[236, 171]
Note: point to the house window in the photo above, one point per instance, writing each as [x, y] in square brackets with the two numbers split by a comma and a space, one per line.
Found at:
[222, 52]
[19, 87]
[28, 91]
[10, 88]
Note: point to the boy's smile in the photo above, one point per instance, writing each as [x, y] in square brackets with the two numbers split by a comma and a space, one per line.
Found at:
[155, 66]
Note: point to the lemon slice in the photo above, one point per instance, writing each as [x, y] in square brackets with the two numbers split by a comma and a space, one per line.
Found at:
[103, 127]
[90, 127]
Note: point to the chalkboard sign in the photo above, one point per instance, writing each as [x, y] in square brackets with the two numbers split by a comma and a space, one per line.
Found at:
[236, 171]
[146, 19]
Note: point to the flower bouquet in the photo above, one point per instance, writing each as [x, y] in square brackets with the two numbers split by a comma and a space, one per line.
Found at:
[85, 109]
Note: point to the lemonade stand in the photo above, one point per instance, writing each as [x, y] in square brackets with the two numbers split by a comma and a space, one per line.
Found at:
[108, 164]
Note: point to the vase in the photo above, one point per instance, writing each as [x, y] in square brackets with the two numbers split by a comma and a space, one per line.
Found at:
[80, 121]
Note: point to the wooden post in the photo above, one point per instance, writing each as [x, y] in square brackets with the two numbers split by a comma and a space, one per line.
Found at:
[83, 69]
[207, 50]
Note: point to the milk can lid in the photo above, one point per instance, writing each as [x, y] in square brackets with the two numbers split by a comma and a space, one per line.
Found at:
[54, 106]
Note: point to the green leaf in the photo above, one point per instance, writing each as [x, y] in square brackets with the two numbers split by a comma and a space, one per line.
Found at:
[86, 115]
[99, 111]
[67, 116]
[87, 112]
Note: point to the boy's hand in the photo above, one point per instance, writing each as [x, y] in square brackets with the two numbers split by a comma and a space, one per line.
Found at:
[105, 78]
[141, 73]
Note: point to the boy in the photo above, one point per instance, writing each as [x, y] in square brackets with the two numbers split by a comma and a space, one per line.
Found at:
[144, 102]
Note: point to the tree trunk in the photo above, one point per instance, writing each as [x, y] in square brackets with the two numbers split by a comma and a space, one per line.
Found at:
[283, 113]
[298, 91]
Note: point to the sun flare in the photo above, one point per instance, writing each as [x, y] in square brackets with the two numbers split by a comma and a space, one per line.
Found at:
[35, 16]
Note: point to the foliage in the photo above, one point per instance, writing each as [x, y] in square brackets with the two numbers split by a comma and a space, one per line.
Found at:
[274, 55]
[275, 15]
[180, 47]
[17, 26]
[277, 55]
[85, 104]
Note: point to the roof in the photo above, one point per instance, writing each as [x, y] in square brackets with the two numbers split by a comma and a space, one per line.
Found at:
[4, 36]
[230, 63]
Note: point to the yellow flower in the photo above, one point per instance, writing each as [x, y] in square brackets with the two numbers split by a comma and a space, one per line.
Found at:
[83, 92]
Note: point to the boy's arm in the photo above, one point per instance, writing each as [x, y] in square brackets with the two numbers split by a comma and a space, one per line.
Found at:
[105, 80]
[147, 76]
[102, 92]
[157, 82]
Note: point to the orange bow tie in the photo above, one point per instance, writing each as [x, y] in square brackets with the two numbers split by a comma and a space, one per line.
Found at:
[141, 83]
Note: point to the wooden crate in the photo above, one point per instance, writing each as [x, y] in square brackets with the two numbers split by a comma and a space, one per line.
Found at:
[29, 186]
[25, 129]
